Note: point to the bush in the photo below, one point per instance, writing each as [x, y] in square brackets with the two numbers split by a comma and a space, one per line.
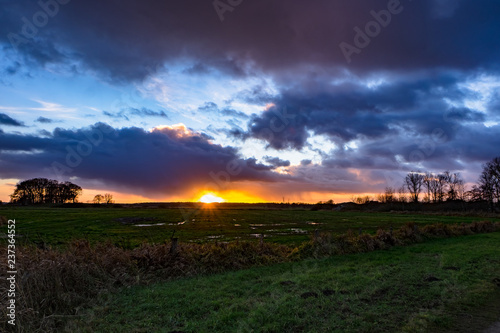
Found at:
[409, 233]
[385, 238]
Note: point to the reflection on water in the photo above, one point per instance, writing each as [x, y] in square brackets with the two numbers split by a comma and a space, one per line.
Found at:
[178, 223]
[148, 225]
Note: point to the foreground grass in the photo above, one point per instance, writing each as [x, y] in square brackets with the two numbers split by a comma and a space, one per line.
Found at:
[58, 226]
[425, 287]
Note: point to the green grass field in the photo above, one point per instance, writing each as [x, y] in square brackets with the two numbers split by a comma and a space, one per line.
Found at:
[437, 286]
[122, 226]
[444, 284]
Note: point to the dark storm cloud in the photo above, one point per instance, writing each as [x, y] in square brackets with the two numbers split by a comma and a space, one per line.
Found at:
[434, 153]
[404, 121]
[392, 100]
[9, 121]
[127, 40]
[164, 161]
[350, 111]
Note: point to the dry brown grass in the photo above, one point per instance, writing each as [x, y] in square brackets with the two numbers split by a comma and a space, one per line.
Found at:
[54, 284]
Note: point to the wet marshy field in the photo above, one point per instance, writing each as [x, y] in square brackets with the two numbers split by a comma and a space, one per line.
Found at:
[130, 226]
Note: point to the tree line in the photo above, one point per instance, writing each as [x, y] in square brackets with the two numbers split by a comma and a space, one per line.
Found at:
[421, 186]
[417, 186]
[447, 186]
[106, 198]
[42, 190]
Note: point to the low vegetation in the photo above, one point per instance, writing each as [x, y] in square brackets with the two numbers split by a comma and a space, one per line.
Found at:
[436, 286]
[56, 284]
[130, 226]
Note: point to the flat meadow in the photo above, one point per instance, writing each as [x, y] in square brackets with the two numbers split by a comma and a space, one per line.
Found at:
[131, 226]
[252, 268]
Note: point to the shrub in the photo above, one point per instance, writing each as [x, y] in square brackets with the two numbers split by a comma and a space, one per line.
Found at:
[385, 238]
[438, 229]
[409, 233]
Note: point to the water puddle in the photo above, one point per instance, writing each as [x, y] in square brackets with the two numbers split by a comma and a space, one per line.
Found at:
[313, 223]
[148, 225]
[299, 231]
[178, 223]
[266, 225]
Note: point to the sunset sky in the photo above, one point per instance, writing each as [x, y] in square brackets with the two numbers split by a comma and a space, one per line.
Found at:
[248, 100]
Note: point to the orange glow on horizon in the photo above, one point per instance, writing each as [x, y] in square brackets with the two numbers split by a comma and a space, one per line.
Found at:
[240, 194]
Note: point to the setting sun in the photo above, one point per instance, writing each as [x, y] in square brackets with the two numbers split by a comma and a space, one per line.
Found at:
[209, 198]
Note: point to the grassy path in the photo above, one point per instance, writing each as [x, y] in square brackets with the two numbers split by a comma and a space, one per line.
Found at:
[437, 286]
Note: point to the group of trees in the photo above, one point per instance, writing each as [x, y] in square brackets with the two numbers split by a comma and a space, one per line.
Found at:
[42, 190]
[489, 182]
[435, 187]
[106, 198]
[421, 186]
[448, 186]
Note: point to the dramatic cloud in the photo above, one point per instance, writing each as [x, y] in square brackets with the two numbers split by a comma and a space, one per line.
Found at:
[421, 35]
[320, 96]
[7, 120]
[380, 127]
[165, 161]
